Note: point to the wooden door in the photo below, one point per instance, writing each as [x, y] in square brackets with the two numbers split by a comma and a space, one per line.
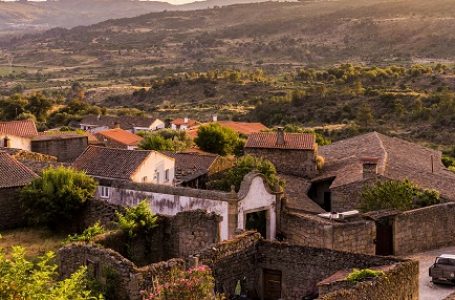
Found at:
[384, 237]
[271, 284]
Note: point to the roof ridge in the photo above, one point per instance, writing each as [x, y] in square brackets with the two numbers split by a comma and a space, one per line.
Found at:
[386, 154]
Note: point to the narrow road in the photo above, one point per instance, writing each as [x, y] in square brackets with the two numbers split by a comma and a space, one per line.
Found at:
[428, 290]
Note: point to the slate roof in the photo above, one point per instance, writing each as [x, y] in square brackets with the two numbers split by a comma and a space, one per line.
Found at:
[110, 162]
[13, 173]
[292, 141]
[24, 128]
[125, 122]
[296, 190]
[397, 159]
[121, 136]
[191, 165]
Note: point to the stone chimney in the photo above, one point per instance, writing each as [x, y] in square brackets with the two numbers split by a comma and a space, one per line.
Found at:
[370, 167]
[280, 136]
[116, 124]
[185, 120]
[215, 118]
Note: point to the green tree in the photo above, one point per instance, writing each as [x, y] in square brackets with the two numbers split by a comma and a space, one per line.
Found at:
[217, 139]
[56, 196]
[137, 220]
[22, 279]
[156, 142]
[400, 195]
[244, 165]
[165, 140]
[39, 106]
[365, 115]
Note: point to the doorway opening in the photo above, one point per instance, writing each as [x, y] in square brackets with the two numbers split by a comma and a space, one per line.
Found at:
[271, 284]
[257, 221]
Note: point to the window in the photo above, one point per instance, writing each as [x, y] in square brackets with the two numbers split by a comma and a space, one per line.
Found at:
[144, 179]
[166, 175]
[105, 192]
[157, 176]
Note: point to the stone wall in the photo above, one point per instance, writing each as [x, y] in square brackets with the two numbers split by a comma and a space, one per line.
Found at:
[119, 277]
[424, 229]
[65, 148]
[11, 213]
[401, 282]
[290, 162]
[313, 231]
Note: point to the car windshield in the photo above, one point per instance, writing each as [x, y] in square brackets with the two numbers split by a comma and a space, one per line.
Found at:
[445, 261]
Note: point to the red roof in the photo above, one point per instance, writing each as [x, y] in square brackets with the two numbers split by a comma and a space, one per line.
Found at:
[13, 173]
[24, 128]
[244, 128]
[292, 141]
[181, 121]
[121, 136]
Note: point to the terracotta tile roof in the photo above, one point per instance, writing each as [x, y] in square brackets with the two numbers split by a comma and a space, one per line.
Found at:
[125, 122]
[397, 159]
[110, 162]
[292, 141]
[181, 121]
[36, 162]
[25, 128]
[13, 173]
[245, 128]
[190, 165]
[121, 136]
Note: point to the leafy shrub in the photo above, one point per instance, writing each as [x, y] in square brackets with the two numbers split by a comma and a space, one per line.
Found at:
[57, 196]
[137, 220]
[217, 139]
[29, 280]
[165, 140]
[360, 275]
[194, 284]
[401, 195]
[245, 165]
[88, 234]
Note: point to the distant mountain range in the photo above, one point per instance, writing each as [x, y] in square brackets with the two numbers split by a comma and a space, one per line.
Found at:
[28, 15]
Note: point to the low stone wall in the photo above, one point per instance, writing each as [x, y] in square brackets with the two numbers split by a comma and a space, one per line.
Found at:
[11, 213]
[401, 282]
[313, 231]
[119, 277]
[424, 229]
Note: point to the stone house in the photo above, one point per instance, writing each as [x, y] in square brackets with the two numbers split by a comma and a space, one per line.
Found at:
[242, 128]
[193, 168]
[353, 163]
[291, 153]
[119, 138]
[131, 165]
[17, 134]
[255, 206]
[66, 147]
[133, 124]
[13, 176]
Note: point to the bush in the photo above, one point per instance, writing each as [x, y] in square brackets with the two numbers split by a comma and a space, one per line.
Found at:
[87, 235]
[29, 280]
[217, 139]
[245, 165]
[400, 195]
[165, 140]
[360, 275]
[57, 196]
[137, 220]
[195, 284]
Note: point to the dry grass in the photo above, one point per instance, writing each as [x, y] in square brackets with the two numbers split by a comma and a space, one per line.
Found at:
[35, 241]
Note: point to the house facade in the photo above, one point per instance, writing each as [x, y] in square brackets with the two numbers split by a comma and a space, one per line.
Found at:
[139, 166]
[17, 134]
[133, 124]
[291, 153]
[183, 124]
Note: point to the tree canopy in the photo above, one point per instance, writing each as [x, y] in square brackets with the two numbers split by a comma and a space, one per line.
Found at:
[165, 140]
[400, 195]
[244, 165]
[217, 139]
[29, 280]
[57, 195]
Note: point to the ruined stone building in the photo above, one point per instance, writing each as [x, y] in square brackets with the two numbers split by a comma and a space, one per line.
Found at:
[255, 206]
